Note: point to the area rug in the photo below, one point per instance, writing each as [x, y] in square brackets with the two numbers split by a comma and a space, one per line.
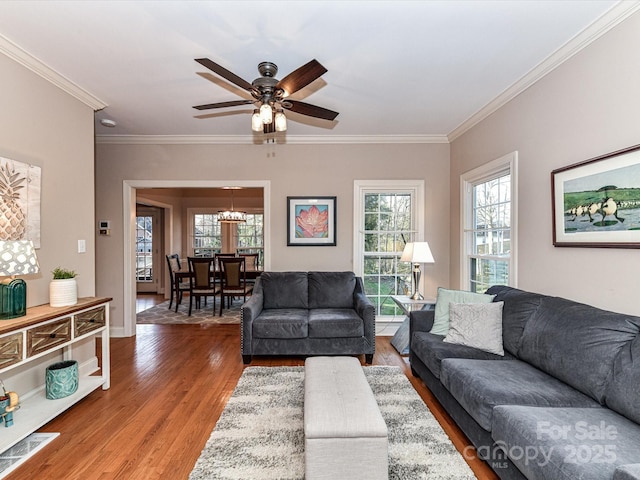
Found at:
[161, 314]
[259, 435]
[23, 450]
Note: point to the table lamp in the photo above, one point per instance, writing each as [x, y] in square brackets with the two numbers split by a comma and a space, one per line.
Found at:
[17, 257]
[417, 253]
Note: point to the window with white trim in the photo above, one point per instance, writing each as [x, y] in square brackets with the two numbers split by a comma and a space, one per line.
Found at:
[488, 203]
[388, 215]
[250, 236]
[206, 235]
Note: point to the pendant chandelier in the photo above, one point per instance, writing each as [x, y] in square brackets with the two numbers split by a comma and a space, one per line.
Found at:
[232, 216]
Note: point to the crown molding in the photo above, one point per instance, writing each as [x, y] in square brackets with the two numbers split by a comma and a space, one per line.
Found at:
[608, 20]
[13, 51]
[249, 139]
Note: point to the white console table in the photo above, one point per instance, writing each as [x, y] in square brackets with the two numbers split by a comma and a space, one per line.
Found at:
[45, 329]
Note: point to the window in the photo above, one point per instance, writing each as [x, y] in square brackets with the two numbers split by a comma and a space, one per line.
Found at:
[489, 225]
[387, 218]
[251, 236]
[207, 235]
[144, 249]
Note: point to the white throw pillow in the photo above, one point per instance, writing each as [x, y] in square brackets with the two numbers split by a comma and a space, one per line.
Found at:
[445, 297]
[477, 325]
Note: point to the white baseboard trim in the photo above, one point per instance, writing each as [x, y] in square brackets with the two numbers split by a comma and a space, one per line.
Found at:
[387, 328]
[117, 332]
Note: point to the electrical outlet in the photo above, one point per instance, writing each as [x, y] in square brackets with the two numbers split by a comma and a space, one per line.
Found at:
[82, 246]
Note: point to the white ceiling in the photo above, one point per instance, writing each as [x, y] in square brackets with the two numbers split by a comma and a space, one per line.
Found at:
[420, 69]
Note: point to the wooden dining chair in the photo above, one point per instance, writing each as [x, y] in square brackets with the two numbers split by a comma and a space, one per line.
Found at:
[178, 286]
[251, 265]
[233, 280]
[201, 281]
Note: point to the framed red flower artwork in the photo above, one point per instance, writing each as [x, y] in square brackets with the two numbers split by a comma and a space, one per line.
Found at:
[311, 221]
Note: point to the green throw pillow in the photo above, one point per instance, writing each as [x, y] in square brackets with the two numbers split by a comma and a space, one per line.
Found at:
[444, 298]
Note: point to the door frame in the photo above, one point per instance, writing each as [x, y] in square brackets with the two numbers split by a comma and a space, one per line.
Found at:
[129, 218]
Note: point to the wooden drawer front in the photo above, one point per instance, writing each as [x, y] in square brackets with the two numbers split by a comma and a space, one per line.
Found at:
[10, 349]
[40, 339]
[88, 321]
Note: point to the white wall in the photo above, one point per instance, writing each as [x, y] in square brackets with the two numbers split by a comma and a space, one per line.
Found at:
[291, 170]
[585, 108]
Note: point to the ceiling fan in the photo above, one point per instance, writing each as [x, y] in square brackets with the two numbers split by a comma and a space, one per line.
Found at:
[270, 95]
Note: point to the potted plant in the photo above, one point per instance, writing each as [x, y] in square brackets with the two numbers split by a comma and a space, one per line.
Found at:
[63, 289]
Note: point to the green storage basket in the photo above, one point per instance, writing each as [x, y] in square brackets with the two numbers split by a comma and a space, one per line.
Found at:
[61, 379]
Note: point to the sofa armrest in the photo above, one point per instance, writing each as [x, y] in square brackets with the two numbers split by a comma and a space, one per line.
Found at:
[248, 313]
[365, 310]
[627, 472]
[421, 320]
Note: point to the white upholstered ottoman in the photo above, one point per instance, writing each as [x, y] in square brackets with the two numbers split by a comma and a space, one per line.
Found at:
[345, 434]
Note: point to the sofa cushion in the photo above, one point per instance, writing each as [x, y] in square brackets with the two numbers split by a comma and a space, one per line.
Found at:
[576, 343]
[519, 307]
[331, 289]
[480, 385]
[432, 350]
[623, 391]
[335, 323]
[477, 325]
[282, 323]
[444, 298]
[566, 443]
[285, 289]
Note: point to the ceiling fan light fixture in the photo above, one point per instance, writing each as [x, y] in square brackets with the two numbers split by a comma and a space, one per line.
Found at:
[256, 121]
[266, 113]
[281, 121]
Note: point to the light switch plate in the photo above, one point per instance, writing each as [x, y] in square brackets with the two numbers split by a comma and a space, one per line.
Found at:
[82, 246]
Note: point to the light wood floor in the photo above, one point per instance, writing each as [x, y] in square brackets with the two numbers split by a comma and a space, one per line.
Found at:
[169, 385]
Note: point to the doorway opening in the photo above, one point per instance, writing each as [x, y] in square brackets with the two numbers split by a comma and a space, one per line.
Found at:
[174, 231]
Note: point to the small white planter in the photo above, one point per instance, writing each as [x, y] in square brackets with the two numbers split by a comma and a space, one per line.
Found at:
[63, 292]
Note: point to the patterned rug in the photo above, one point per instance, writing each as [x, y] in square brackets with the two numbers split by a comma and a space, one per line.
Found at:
[160, 314]
[259, 435]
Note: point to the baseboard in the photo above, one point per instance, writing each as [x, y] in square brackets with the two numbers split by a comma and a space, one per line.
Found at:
[116, 332]
[387, 328]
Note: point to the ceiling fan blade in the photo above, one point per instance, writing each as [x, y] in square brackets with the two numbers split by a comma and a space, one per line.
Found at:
[301, 77]
[310, 110]
[226, 74]
[233, 103]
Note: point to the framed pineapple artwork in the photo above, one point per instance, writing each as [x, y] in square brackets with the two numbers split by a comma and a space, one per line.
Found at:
[19, 201]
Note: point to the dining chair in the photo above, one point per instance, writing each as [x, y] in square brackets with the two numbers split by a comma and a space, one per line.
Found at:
[251, 265]
[201, 281]
[178, 286]
[233, 280]
[222, 255]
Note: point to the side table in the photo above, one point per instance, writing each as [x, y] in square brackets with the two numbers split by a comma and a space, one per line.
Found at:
[401, 340]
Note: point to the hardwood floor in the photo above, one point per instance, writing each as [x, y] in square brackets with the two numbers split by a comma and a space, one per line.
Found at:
[169, 385]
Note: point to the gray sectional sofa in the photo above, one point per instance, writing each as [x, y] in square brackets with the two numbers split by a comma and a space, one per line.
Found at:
[308, 313]
[562, 403]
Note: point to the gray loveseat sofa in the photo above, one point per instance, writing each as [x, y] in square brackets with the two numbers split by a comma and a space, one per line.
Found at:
[562, 403]
[308, 313]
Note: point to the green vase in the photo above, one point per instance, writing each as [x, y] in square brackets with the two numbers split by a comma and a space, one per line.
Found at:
[61, 379]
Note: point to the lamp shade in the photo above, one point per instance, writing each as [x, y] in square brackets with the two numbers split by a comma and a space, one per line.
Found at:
[18, 257]
[417, 252]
